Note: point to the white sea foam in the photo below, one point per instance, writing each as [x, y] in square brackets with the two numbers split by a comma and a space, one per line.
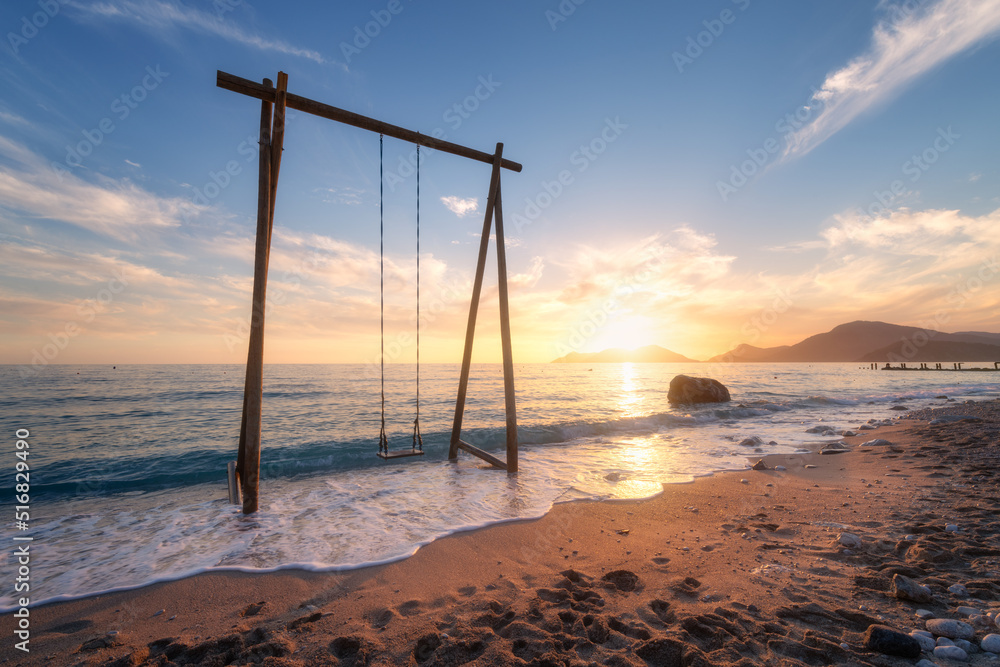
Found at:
[123, 497]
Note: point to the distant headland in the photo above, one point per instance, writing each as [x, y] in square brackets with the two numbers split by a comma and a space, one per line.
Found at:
[860, 341]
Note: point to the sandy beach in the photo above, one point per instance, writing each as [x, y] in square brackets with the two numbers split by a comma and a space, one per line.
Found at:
[788, 565]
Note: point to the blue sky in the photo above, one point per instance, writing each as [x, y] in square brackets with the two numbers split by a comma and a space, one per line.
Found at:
[732, 172]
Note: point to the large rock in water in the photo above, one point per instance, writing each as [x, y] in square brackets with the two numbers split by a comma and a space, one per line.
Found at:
[686, 389]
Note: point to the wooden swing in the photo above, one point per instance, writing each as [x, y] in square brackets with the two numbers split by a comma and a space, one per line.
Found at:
[245, 473]
[417, 448]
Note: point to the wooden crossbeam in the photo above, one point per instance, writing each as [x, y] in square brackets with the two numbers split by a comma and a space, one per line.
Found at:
[299, 103]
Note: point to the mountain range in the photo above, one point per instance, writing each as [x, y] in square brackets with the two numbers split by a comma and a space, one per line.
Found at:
[617, 355]
[860, 341]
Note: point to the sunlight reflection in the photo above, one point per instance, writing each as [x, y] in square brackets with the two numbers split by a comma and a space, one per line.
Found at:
[630, 399]
[641, 454]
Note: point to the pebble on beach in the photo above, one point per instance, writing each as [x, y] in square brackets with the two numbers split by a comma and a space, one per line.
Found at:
[885, 640]
[948, 627]
[925, 640]
[904, 588]
[990, 643]
[849, 540]
[950, 653]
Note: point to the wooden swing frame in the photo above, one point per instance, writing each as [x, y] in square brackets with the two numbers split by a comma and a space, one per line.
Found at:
[274, 102]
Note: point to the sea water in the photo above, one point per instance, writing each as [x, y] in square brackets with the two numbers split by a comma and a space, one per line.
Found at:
[128, 463]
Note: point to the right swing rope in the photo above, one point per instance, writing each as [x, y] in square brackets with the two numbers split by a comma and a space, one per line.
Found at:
[383, 442]
[418, 441]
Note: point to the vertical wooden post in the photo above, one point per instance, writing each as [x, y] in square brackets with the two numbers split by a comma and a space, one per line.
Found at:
[253, 392]
[259, 283]
[508, 357]
[470, 331]
[272, 134]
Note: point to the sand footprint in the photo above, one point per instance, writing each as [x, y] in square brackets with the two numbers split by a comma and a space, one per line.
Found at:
[625, 581]
[380, 618]
[409, 608]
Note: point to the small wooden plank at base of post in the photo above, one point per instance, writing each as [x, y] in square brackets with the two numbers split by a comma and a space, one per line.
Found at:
[486, 456]
[235, 492]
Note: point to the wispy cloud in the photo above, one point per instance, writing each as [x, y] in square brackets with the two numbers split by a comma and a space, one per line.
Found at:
[637, 268]
[115, 208]
[158, 16]
[461, 207]
[904, 47]
[12, 118]
[909, 266]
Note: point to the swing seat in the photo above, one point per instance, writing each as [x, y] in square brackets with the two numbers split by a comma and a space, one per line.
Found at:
[400, 454]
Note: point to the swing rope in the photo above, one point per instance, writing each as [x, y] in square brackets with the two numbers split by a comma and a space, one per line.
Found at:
[418, 441]
[383, 442]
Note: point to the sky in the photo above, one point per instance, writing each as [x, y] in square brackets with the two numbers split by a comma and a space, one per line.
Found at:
[695, 175]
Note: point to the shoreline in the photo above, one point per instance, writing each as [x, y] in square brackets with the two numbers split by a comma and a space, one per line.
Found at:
[677, 572]
[339, 569]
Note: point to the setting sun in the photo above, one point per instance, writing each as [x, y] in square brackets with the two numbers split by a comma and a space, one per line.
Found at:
[629, 332]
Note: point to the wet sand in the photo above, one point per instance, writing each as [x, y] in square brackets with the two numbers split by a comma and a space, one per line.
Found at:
[785, 566]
